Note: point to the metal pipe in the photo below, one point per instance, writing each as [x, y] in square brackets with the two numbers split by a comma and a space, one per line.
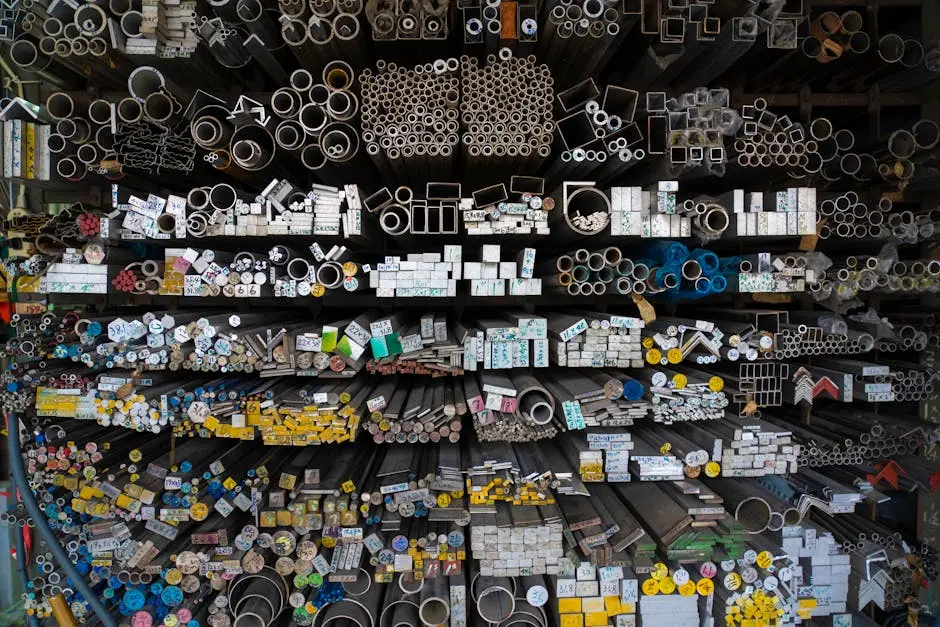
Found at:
[18, 475]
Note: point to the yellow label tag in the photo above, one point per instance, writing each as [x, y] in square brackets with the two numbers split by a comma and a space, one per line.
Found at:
[660, 571]
[764, 559]
[650, 587]
[687, 589]
[568, 605]
[595, 619]
[348, 486]
[198, 511]
[667, 586]
[287, 481]
[612, 606]
[712, 469]
[572, 620]
[173, 576]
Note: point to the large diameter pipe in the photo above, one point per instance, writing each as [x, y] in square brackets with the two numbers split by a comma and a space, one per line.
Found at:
[495, 602]
[754, 514]
[60, 105]
[145, 81]
[339, 142]
[434, 608]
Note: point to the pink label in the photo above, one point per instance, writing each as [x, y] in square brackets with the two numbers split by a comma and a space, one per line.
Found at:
[141, 619]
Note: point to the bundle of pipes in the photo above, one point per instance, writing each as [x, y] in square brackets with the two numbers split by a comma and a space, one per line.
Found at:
[590, 31]
[506, 112]
[867, 540]
[584, 273]
[832, 35]
[834, 438]
[875, 274]
[404, 145]
[103, 136]
[599, 135]
[316, 121]
[316, 33]
[903, 332]
[852, 218]
[765, 139]
[900, 154]
[766, 272]
[896, 64]
[94, 40]
[676, 273]
[808, 340]
[410, 21]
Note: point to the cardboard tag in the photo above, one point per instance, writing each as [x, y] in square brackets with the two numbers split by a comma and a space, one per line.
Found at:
[808, 242]
[646, 310]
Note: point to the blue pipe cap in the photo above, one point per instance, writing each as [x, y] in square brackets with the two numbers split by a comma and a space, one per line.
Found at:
[632, 390]
[172, 596]
[134, 599]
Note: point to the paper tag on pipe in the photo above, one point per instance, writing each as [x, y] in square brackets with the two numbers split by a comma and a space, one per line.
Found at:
[646, 310]
[808, 242]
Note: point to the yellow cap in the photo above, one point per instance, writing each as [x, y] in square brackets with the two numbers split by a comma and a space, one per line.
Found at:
[712, 469]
